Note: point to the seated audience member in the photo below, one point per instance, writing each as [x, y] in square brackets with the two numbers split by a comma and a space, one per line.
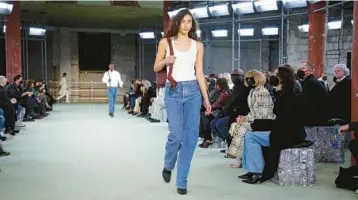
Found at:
[261, 109]
[339, 98]
[148, 94]
[7, 107]
[14, 90]
[224, 91]
[313, 98]
[353, 144]
[227, 76]
[323, 80]
[2, 125]
[237, 102]
[286, 131]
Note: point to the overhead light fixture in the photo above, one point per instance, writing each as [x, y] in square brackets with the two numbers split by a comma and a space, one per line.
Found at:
[352, 22]
[198, 32]
[246, 32]
[174, 12]
[219, 10]
[219, 33]
[314, 1]
[201, 12]
[270, 31]
[303, 28]
[37, 31]
[334, 25]
[147, 35]
[294, 3]
[4, 28]
[243, 8]
[6, 8]
[266, 5]
[162, 34]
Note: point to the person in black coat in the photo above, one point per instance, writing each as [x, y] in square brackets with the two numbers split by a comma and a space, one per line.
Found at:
[237, 102]
[339, 98]
[286, 131]
[6, 105]
[313, 98]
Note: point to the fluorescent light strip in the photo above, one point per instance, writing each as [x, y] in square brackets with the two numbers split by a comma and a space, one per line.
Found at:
[266, 5]
[219, 33]
[303, 28]
[246, 32]
[219, 10]
[37, 31]
[294, 3]
[243, 8]
[270, 31]
[147, 35]
[334, 25]
[200, 12]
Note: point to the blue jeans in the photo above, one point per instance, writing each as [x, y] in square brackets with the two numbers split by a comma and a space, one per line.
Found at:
[252, 156]
[132, 99]
[220, 127]
[183, 109]
[19, 112]
[2, 119]
[112, 95]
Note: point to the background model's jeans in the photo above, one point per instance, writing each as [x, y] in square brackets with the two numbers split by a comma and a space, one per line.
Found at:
[112, 95]
[183, 108]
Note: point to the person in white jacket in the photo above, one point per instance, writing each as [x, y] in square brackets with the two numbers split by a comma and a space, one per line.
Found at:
[112, 79]
[64, 90]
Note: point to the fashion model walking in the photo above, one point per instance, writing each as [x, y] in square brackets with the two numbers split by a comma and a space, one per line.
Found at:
[185, 90]
[113, 80]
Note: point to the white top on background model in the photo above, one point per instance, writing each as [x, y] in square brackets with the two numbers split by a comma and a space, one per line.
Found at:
[184, 65]
[112, 78]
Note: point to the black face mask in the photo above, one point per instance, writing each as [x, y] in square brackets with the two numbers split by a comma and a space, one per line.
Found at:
[324, 78]
[274, 81]
[300, 74]
[334, 79]
[237, 79]
[250, 82]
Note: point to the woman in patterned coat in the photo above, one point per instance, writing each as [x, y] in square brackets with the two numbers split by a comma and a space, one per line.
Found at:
[261, 107]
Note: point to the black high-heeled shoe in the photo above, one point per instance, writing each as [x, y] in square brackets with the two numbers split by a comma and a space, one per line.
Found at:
[247, 176]
[254, 180]
[206, 145]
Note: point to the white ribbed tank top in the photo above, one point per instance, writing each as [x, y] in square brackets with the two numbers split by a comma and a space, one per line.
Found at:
[184, 65]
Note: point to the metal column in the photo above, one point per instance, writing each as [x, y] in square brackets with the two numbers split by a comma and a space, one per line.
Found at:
[281, 38]
[27, 55]
[239, 46]
[45, 57]
[233, 42]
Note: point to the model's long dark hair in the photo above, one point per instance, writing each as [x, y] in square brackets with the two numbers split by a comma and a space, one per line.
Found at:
[175, 25]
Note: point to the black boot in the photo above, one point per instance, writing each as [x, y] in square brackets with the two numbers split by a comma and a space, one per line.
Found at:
[166, 175]
[182, 191]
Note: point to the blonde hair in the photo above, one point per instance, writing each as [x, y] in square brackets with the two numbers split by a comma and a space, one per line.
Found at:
[258, 76]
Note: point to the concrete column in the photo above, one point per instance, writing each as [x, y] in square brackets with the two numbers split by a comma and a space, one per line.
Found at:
[13, 42]
[354, 91]
[316, 43]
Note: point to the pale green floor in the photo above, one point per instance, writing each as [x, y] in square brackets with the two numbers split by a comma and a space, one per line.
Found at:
[79, 153]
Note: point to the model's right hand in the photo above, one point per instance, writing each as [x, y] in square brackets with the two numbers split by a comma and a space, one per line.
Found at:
[169, 60]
